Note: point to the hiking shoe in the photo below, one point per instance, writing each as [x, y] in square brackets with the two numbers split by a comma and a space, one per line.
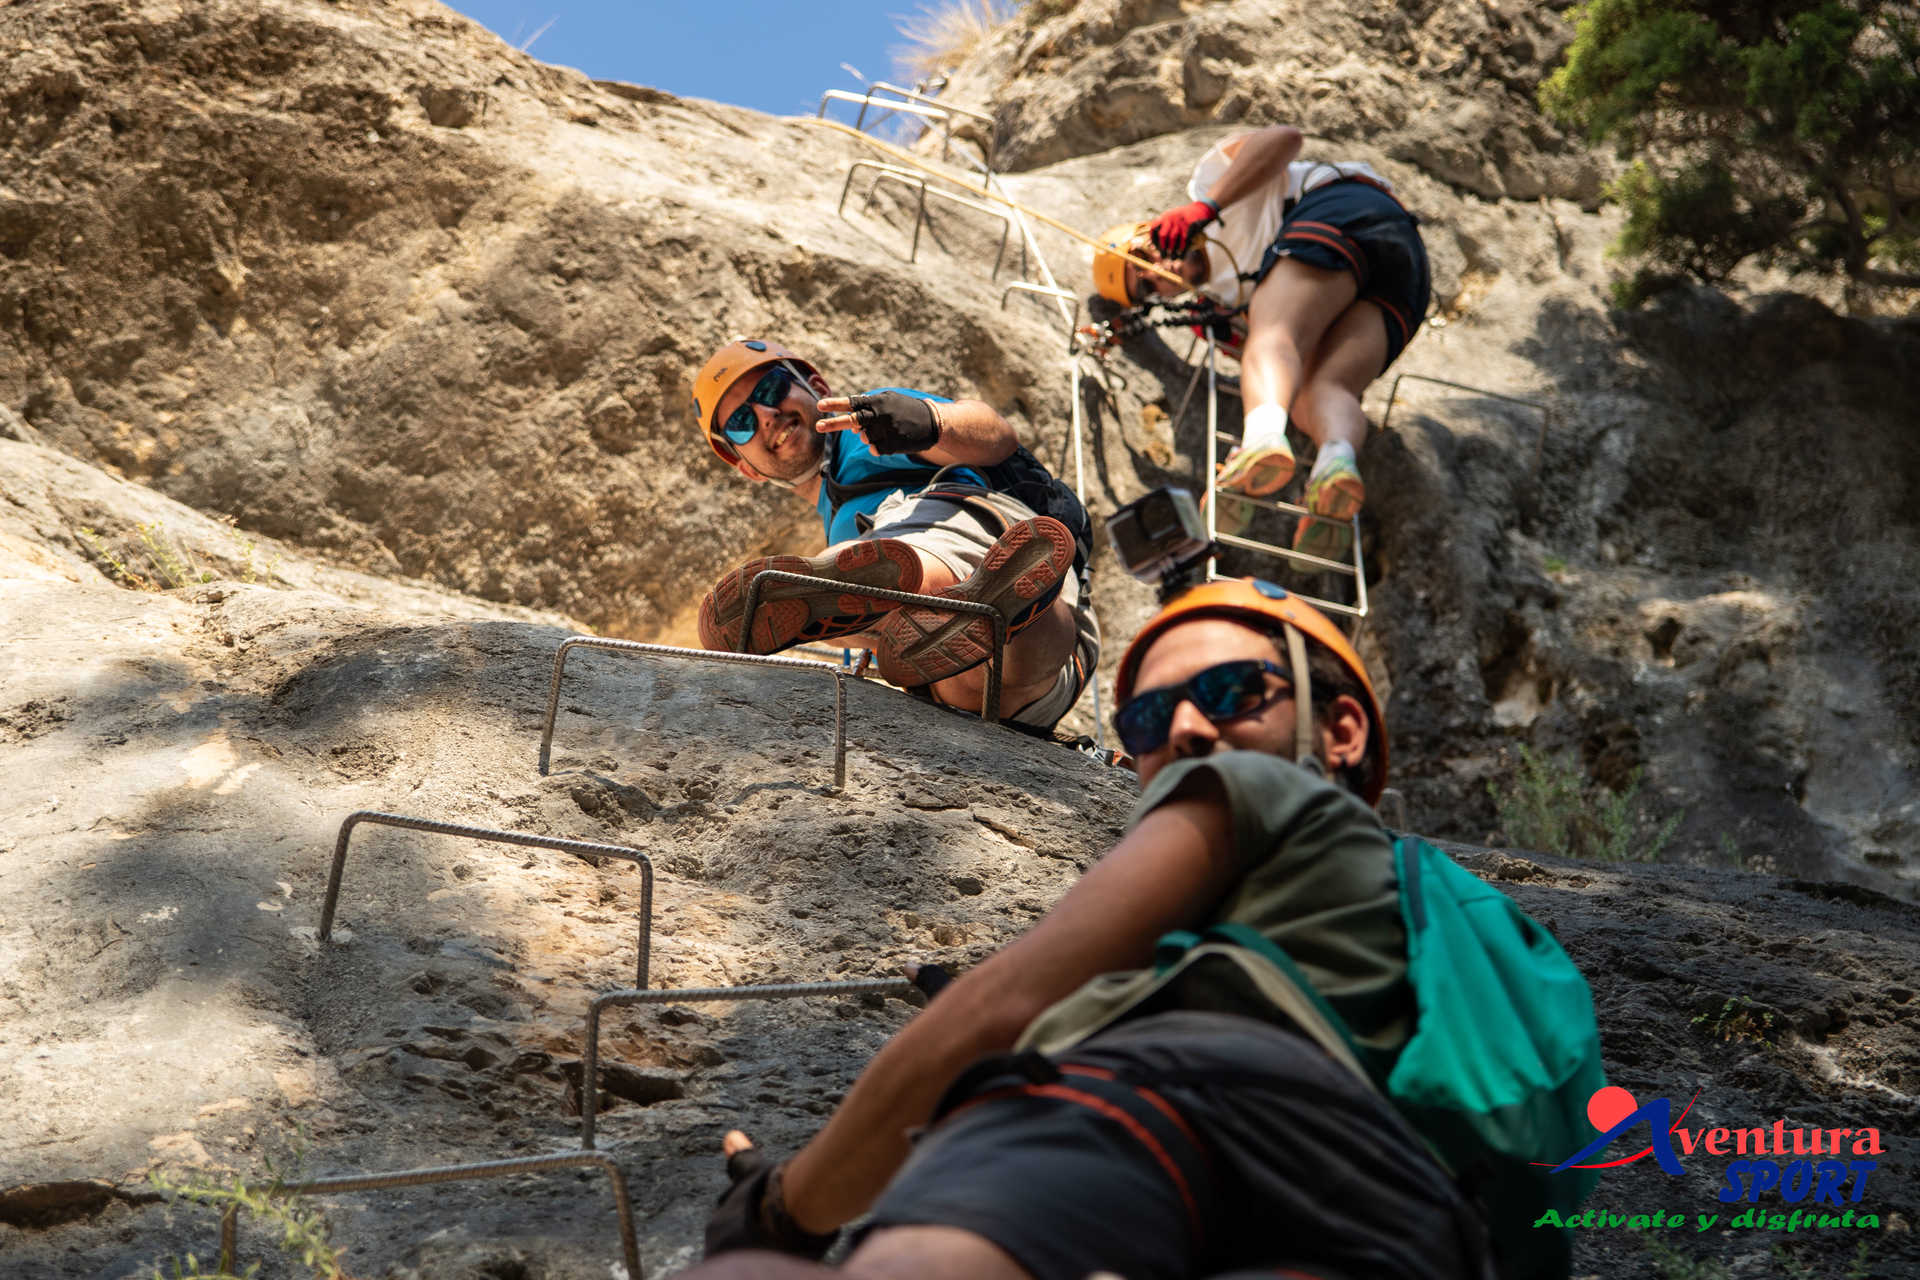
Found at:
[791, 613]
[1259, 471]
[1336, 492]
[1328, 539]
[1236, 513]
[1020, 576]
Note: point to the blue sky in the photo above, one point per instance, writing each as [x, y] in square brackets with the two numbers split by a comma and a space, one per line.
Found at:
[776, 56]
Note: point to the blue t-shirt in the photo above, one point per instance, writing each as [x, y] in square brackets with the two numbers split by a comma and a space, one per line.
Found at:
[851, 462]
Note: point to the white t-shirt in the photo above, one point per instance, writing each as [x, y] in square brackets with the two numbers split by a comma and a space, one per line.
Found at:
[1238, 241]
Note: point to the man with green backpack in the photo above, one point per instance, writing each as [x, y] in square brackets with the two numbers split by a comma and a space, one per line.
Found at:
[1260, 1035]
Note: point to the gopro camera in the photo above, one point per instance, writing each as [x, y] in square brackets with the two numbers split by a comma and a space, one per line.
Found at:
[1161, 537]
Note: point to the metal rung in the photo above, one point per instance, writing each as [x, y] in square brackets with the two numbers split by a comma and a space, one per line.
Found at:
[622, 1205]
[867, 100]
[1356, 570]
[1326, 606]
[586, 847]
[590, 1051]
[1300, 558]
[836, 673]
[1045, 291]
[881, 86]
[883, 171]
[996, 660]
[915, 104]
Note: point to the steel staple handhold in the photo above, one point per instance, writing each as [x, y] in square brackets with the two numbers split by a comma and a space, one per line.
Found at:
[587, 847]
[838, 674]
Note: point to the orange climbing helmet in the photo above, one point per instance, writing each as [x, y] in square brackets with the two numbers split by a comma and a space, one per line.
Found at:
[725, 367]
[1110, 267]
[1265, 607]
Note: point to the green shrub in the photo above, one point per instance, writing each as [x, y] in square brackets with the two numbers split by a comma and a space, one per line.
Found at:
[1550, 806]
[1789, 131]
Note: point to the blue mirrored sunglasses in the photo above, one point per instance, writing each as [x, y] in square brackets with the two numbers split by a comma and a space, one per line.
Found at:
[769, 391]
[1227, 691]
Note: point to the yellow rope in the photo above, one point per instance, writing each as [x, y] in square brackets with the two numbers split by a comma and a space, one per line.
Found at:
[985, 193]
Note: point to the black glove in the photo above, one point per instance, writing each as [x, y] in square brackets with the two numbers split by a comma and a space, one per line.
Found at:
[752, 1215]
[895, 423]
[931, 979]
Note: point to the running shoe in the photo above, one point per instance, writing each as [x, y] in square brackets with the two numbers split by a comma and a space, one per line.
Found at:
[793, 613]
[1336, 492]
[1020, 577]
[1236, 513]
[1260, 471]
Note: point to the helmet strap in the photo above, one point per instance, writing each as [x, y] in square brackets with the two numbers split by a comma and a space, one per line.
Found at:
[1304, 752]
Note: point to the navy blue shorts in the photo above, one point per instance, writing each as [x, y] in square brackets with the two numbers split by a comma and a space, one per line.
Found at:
[1355, 226]
[1182, 1145]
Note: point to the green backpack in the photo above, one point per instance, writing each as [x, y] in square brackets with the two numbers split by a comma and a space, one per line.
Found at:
[1502, 1060]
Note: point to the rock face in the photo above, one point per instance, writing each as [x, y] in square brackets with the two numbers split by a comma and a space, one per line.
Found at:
[180, 763]
[362, 278]
[344, 357]
[1446, 85]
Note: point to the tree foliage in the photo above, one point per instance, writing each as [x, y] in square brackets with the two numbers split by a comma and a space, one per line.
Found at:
[1770, 129]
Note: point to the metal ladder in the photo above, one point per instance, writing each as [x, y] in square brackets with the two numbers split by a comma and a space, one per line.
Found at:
[889, 99]
[1355, 568]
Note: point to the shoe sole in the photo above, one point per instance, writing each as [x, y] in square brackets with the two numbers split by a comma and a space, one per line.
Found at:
[1340, 497]
[1019, 577]
[1239, 477]
[1234, 516]
[1329, 541]
[791, 613]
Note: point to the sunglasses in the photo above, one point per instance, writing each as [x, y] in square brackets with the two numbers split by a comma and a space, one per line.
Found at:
[1228, 691]
[768, 392]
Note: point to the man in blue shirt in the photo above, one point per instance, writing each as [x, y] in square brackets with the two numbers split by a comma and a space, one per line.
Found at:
[915, 493]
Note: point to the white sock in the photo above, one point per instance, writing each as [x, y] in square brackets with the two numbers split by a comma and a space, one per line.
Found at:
[1265, 428]
[1328, 453]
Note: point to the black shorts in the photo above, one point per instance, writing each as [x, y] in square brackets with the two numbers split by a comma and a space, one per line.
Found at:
[1184, 1145]
[1355, 226]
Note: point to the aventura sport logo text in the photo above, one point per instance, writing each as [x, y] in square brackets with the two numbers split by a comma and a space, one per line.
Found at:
[1799, 1165]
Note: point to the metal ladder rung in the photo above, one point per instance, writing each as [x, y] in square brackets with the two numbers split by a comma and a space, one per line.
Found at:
[1355, 569]
[1285, 553]
[918, 181]
[1330, 606]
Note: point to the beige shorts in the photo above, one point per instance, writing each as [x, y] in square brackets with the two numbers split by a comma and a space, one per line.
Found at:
[958, 536]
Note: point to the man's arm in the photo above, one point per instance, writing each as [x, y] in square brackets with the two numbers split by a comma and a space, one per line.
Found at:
[1163, 875]
[1254, 160]
[971, 433]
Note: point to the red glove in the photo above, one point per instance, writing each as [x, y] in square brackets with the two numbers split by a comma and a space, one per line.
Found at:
[1174, 230]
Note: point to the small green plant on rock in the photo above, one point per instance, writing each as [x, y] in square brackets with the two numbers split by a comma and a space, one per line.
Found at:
[1549, 805]
[1673, 1263]
[163, 564]
[249, 550]
[1738, 1019]
[115, 565]
[303, 1230]
[1794, 1269]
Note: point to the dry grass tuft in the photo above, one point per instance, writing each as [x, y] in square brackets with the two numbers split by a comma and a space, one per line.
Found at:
[942, 36]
